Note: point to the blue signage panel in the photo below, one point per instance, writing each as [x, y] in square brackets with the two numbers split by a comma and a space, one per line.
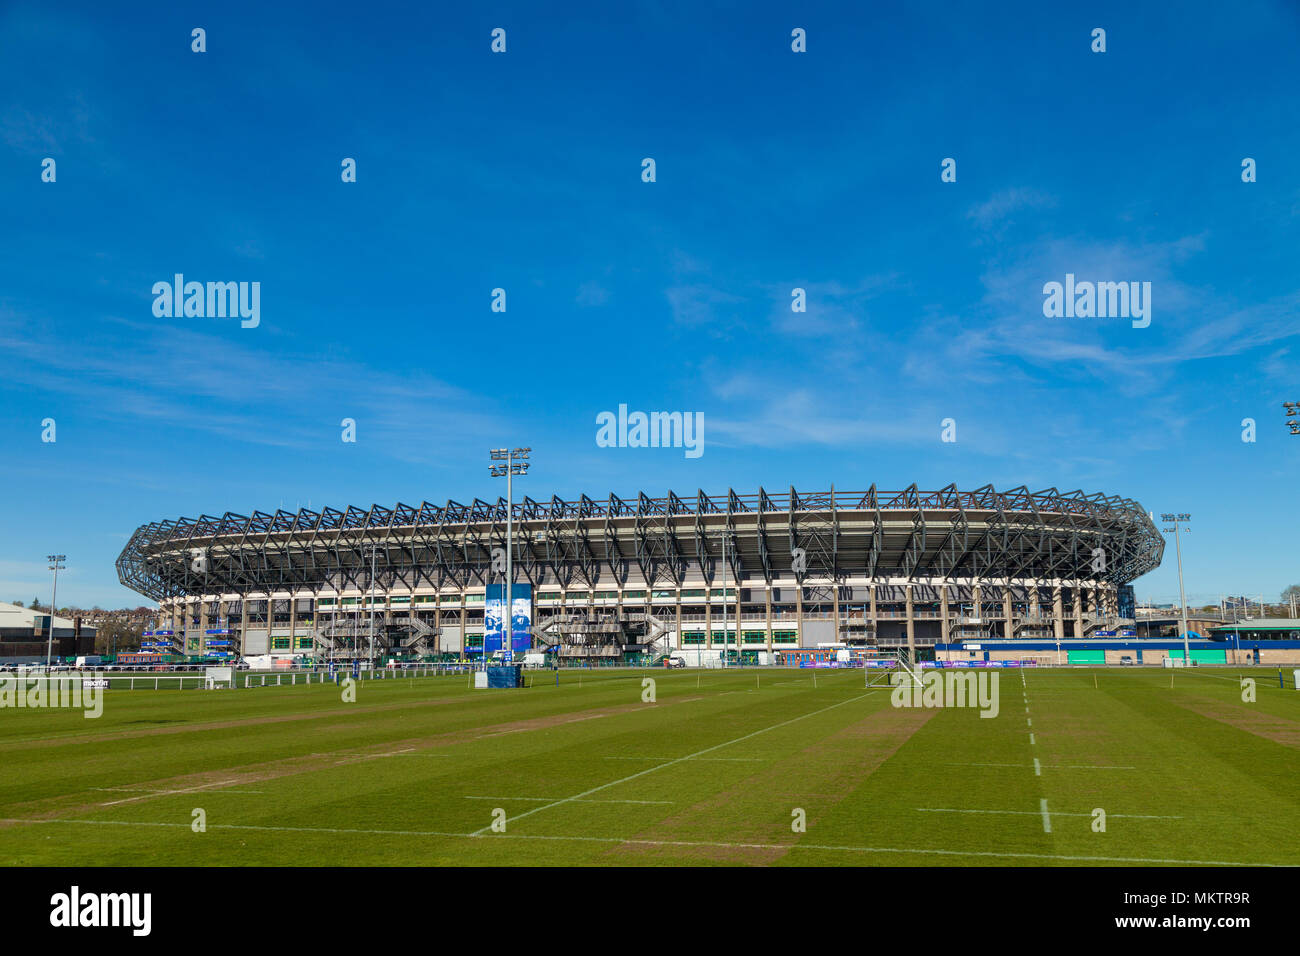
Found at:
[521, 596]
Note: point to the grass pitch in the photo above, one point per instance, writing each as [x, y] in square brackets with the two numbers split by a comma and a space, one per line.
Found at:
[715, 771]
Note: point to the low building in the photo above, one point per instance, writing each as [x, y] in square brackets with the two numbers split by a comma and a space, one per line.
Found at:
[24, 635]
[1281, 651]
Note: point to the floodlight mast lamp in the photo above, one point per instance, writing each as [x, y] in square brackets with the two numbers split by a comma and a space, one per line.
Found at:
[56, 563]
[1178, 520]
[516, 463]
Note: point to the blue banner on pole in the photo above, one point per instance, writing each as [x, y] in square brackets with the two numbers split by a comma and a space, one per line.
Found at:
[521, 596]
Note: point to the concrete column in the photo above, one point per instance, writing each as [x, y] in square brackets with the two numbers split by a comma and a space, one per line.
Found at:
[736, 618]
[835, 612]
[977, 600]
[203, 623]
[1058, 613]
[798, 610]
[767, 597]
[708, 616]
[677, 612]
[1078, 610]
[943, 611]
[1008, 626]
[871, 593]
[911, 628]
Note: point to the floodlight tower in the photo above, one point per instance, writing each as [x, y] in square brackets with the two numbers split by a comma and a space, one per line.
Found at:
[722, 536]
[1177, 520]
[374, 554]
[56, 563]
[516, 463]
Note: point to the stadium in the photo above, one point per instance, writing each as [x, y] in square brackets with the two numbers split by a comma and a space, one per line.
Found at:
[629, 580]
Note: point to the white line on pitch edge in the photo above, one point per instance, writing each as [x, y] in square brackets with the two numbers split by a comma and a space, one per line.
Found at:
[632, 841]
[1038, 768]
[1047, 817]
[158, 790]
[545, 799]
[159, 793]
[714, 759]
[1059, 813]
[648, 770]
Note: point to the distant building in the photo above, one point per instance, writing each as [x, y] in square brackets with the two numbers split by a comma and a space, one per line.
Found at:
[1259, 629]
[25, 631]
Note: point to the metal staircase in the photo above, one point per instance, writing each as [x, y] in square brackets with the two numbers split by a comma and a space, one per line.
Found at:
[602, 635]
[345, 638]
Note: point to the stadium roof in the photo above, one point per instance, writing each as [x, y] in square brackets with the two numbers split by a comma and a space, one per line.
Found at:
[911, 534]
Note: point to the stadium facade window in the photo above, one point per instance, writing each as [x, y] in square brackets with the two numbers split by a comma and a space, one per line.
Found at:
[324, 602]
[694, 593]
[475, 598]
[426, 599]
[663, 594]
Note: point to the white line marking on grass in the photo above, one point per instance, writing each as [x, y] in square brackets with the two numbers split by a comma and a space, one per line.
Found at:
[396, 753]
[1029, 722]
[1038, 768]
[1031, 740]
[1047, 817]
[545, 799]
[684, 843]
[1059, 813]
[703, 759]
[648, 770]
[1049, 766]
[1090, 766]
[159, 793]
[157, 790]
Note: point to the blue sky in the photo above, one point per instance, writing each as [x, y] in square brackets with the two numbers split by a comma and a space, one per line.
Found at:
[522, 171]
